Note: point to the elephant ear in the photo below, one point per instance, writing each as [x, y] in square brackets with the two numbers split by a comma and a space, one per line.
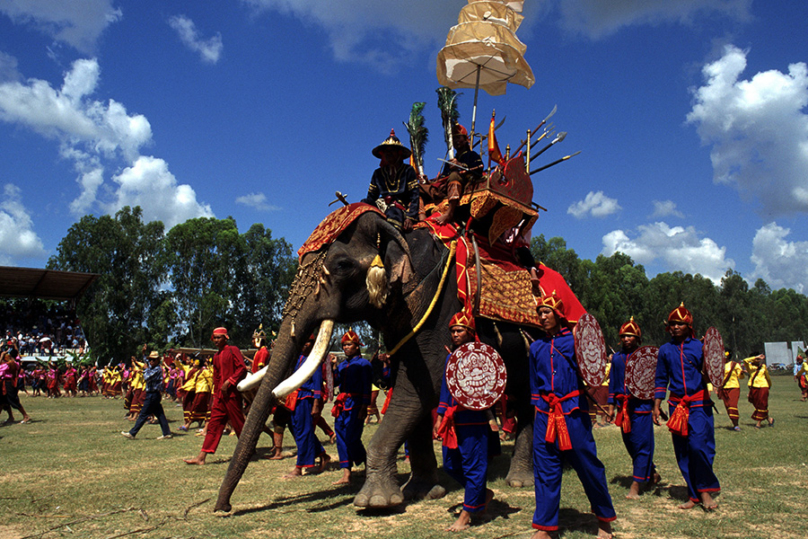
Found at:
[397, 258]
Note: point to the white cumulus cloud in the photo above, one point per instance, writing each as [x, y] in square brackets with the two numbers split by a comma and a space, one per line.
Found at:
[96, 134]
[17, 237]
[678, 248]
[210, 50]
[598, 18]
[758, 131]
[149, 184]
[595, 204]
[77, 23]
[781, 263]
[665, 208]
[257, 201]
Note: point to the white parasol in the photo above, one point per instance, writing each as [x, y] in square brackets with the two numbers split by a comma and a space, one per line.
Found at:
[482, 51]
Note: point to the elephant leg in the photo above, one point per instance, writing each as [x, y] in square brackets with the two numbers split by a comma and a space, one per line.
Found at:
[423, 482]
[520, 473]
[381, 488]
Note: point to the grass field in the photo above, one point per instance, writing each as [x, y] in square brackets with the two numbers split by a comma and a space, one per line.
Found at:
[71, 474]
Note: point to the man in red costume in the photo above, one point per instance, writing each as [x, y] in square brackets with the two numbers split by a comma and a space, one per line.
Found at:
[228, 370]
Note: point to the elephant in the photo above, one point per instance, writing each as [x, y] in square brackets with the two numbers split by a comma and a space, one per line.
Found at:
[371, 271]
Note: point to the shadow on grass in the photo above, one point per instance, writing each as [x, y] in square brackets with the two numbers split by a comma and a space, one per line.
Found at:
[574, 520]
[312, 497]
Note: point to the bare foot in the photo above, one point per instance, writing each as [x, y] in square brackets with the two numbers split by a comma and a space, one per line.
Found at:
[277, 455]
[196, 461]
[633, 491]
[604, 530]
[656, 478]
[541, 534]
[345, 479]
[462, 522]
[707, 501]
[689, 504]
[296, 472]
[325, 459]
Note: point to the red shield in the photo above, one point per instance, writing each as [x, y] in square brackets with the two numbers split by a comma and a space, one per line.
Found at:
[641, 372]
[476, 376]
[590, 349]
[713, 351]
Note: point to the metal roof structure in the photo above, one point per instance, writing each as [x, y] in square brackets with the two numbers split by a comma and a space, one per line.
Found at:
[44, 284]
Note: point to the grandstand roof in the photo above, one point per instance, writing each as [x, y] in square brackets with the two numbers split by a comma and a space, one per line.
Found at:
[44, 284]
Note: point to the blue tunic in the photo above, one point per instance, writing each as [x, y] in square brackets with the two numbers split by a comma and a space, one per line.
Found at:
[554, 371]
[354, 376]
[468, 464]
[640, 440]
[302, 425]
[679, 368]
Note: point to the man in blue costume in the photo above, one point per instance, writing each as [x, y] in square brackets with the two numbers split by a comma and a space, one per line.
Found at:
[633, 414]
[465, 436]
[306, 405]
[679, 369]
[354, 376]
[396, 182]
[562, 429]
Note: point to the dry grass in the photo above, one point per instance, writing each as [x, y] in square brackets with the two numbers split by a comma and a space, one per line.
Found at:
[70, 473]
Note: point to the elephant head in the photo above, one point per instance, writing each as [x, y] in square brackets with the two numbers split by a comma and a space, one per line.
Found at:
[365, 273]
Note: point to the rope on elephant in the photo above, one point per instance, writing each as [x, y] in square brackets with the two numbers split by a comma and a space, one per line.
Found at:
[434, 301]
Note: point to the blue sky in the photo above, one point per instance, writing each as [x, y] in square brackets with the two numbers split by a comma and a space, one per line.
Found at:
[690, 116]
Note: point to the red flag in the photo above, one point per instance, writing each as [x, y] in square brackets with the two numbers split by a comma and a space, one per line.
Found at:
[493, 148]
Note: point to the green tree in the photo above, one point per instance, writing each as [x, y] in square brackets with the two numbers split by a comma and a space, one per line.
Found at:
[126, 252]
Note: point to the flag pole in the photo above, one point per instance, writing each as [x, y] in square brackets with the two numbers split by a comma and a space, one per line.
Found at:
[474, 110]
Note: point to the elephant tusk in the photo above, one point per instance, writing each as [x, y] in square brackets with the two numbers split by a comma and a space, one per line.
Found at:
[312, 362]
[252, 380]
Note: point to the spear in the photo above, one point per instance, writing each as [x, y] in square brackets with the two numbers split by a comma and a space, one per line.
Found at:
[557, 161]
[537, 128]
[561, 136]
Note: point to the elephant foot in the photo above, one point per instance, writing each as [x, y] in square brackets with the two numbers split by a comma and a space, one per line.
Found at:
[225, 507]
[423, 489]
[519, 478]
[379, 493]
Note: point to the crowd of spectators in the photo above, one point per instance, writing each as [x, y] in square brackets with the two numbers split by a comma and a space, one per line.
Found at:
[43, 329]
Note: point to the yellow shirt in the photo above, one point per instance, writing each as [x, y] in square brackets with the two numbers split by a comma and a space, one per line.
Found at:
[190, 382]
[762, 378]
[204, 381]
[732, 374]
[137, 376]
[803, 369]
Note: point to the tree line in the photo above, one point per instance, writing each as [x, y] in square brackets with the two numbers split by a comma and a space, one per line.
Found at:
[174, 288]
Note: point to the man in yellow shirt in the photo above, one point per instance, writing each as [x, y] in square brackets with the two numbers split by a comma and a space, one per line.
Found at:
[759, 384]
[730, 388]
[802, 376]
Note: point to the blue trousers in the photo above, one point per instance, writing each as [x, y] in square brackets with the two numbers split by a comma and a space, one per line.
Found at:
[151, 406]
[548, 468]
[348, 427]
[696, 451]
[302, 427]
[640, 445]
[468, 464]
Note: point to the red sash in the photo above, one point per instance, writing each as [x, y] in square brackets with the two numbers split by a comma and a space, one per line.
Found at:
[339, 404]
[623, 420]
[556, 422]
[291, 400]
[446, 430]
[677, 424]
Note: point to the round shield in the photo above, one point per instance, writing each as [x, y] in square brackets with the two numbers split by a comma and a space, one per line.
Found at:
[476, 376]
[641, 372]
[590, 349]
[713, 351]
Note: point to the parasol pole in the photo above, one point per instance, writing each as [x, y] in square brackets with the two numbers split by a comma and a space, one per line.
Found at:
[474, 110]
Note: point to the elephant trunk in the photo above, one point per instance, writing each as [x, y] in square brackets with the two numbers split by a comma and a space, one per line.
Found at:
[286, 347]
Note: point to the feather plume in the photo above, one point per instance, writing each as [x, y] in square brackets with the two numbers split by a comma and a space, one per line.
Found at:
[447, 104]
[419, 134]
